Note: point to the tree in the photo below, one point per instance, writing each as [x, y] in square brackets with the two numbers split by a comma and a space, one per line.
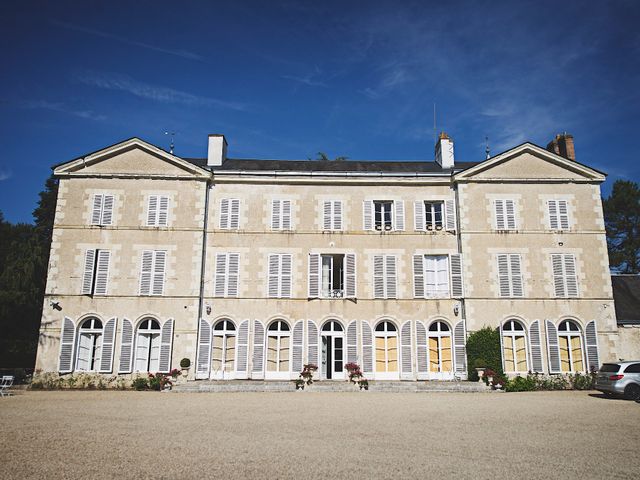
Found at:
[323, 157]
[622, 220]
[483, 351]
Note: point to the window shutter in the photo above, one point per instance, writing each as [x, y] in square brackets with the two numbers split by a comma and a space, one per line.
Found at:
[221, 274]
[459, 345]
[563, 214]
[152, 212]
[233, 276]
[163, 211]
[274, 275]
[553, 349]
[286, 215]
[499, 209]
[571, 279]
[108, 343]
[390, 277]
[367, 348]
[327, 216]
[399, 206]
[503, 275]
[591, 337]
[502, 352]
[107, 210]
[126, 346]
[203, 363]
[312, 343]
[350, 275]
[553, 214]
[510, 212]
[87, 276]
[352, 342]
[298, 340]
[418, 276]
[457, 287]
[145, 272]
[314, 275]
[450, 215]
[285, 275]
[102, 272]
[166, 341]
[367, 213]
[234, 220]
[378, 276]
[516, 276]
[337, 215]
[96, 211]
[418, 216]
[275, 214]
[405, 342]
[258, 349]
[421, 340]
[535, 345]
[242, 350]
[158, 272]
[67, 344]
[558, 274]
[224, 213]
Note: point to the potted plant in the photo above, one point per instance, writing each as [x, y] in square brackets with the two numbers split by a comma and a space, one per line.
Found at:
[185, 363]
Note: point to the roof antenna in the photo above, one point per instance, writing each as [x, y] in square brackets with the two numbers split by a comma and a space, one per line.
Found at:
[171, 145]
[487, 150]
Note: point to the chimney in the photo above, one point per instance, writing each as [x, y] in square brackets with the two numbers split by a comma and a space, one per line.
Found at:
[444, 151]
[562, 145]
[217, 150]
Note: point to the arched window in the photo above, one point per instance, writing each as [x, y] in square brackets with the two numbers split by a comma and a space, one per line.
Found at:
[223, 348]
[332, 326]
[148, 346]
[332, 358]
[570, 342]
[89, 345]
[386, 335]
[278, 346]
[440, 348]
[514, 346]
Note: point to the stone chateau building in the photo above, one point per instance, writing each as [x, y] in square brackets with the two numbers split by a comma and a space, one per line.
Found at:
[251, 268]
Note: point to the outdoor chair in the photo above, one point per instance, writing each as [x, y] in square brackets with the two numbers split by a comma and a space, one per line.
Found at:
[7, 382]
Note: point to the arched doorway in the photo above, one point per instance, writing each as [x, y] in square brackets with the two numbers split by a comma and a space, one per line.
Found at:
[278, 350]
[570, 343]
[332, 359]
[386, 335]
[440, 351]
[89, 345]
[514, 347]
[147, 346]
[223, 350]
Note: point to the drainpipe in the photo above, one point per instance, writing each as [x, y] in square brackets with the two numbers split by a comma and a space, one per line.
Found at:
[203, 261]
[463, 312]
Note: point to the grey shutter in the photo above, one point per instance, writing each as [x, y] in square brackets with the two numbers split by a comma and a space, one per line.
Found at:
[275, 214]
[499, 210]
[450, 215]
[399, 214]
[459, 346]
[418, 216]
[352, 342]
[286, 215]
[312, 343]
[108, 344]
[298, 340]
[234, 218]
[553, 349]
[418, 276]
[421, 341]
[350, 275]
[558, 275]
[166, 342]
[102, 272]
[405, 342]
[563, 215]
[126, 346]
[503, 275]
[258, 349]
[553, 214]
[163, 211]
[67, 344]
[510, 214]
[233, 275]
[457, 286]
[327, 211]
[273, 276]
[502, 348]
[367, 348]
[285, 275]
[152, 212]
[159, 264]
[378, 276]
[87, 276]
[224, 213]
[96, 211]
[145, 272]
[242, 350]
[203, 363]
[517, 289]
[570, 275]
[107, 210]
[337, 215]
[535, 345]
[220, 275]
[391, 276]
[591, 337]
[314, 275]
[367, 215]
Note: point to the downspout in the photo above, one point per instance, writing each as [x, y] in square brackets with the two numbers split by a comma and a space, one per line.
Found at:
[463, 312]
[203, 262]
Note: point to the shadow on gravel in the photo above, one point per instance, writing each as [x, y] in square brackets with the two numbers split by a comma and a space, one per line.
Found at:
[602, 396]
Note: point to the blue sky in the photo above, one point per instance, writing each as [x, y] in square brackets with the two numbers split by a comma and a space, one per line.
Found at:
[286, 79]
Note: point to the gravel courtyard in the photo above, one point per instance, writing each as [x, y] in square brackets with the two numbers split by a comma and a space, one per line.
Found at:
[318, 435]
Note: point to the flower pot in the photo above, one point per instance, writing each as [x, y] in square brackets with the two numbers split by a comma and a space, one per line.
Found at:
[185, 372]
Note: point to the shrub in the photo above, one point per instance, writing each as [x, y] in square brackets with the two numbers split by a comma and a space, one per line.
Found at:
[185, 363]
[483, 350]
[521, 384]
[140, 383]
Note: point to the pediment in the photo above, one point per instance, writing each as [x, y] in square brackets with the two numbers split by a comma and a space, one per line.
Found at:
[132, 157]
[530, 162]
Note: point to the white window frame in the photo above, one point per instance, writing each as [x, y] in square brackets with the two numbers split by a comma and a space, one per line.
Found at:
[151, 334]
[513, 335]
[155, 274]
[95, 278]
[563, 277]
[558, 220]
[96, 335]
[227, 275]
[385, 276]
[504, 211]
[437, 293]
[102, 209]
[229, 214]
[509, 279]
[277, 275]
[280, 218]
[569, 334]
[332, 215]
[158, 215]
[434, 225]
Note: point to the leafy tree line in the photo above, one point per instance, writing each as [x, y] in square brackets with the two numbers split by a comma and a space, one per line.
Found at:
[24, 256]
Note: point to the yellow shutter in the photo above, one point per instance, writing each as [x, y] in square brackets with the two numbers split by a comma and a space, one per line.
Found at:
[272, 349]
[392, 352]
[508, 354]
[434, 356]
[380, 355]
[564, 354]
[521, 354]
[576, 354]
[447, 365]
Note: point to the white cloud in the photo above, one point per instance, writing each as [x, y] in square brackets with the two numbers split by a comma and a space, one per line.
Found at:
[60, 107]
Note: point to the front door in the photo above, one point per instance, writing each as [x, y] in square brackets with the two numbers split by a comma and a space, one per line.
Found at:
[332, 357]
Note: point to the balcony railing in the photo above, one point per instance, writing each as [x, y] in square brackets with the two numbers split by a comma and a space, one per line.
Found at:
[335, 293]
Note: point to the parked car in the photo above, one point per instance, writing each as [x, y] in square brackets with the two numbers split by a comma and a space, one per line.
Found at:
[620, 378]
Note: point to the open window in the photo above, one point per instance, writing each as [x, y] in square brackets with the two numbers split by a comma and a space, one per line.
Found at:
[383, 216]
[433, 215]
[332, 275]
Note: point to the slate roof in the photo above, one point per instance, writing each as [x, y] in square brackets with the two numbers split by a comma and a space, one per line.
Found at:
[626, 295]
